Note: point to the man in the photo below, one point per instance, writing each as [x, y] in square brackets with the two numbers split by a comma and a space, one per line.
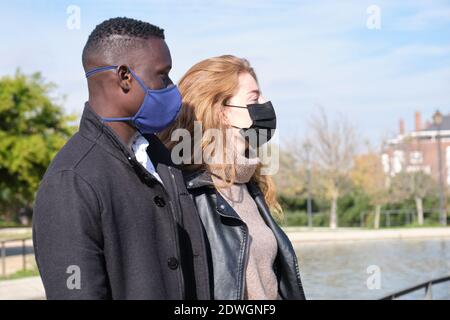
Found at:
[112, 217]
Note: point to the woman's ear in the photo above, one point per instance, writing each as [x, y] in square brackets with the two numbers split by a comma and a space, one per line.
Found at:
[224, 114]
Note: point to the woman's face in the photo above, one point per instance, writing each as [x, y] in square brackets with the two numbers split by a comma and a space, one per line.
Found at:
[248, 93]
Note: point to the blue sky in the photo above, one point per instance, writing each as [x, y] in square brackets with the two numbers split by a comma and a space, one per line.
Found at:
[307, 54]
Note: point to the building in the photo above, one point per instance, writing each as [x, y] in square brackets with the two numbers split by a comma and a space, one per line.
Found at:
[418, 150]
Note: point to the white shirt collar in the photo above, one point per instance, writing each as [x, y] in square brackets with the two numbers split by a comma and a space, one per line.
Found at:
[139, 146]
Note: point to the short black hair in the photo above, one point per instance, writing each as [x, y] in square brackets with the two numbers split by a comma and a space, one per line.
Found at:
[118, 35]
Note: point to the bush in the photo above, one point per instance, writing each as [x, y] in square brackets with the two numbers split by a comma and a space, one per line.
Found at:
[300, 219]
[350, 207]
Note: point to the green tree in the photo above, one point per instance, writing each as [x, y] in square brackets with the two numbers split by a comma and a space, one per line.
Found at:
[33, 127]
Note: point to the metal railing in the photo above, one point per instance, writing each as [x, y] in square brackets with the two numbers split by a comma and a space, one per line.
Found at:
[428, 286]
[3, 253]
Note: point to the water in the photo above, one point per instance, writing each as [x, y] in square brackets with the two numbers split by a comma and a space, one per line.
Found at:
[338, 270]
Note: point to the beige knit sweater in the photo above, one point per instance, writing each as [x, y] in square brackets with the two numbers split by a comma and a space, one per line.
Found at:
[261, 282]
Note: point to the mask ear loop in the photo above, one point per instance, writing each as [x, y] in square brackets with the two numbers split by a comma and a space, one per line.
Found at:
[99, 69]
[232, 106]
[129, 119]
[241, 130]
[105, 68]
[141, 83]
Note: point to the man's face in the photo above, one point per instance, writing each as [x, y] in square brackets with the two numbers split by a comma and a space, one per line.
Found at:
[152, 65]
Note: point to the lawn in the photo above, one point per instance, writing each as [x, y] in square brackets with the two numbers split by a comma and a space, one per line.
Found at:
[21, 274]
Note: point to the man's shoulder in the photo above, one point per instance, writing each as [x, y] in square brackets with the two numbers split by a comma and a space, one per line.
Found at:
[92, 159]
[70, 154]
[73, 156]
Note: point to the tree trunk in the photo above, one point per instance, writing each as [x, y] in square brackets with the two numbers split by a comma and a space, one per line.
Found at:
[419, 208]
[333, 213]
[376, 222]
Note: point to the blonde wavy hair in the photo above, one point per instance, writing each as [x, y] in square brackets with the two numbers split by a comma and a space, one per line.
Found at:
[206, 87]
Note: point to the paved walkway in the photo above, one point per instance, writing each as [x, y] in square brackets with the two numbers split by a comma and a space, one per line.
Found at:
[302, 235]
[22, 289]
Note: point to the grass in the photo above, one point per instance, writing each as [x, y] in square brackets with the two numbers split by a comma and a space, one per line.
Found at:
[9, 224]
[21, 274]
[416, 225]
[8, 235]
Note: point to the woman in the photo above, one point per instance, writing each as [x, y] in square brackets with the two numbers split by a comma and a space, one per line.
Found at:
[250, 255]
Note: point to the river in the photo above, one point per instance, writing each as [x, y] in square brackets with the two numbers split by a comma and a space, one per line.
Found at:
[339, 270]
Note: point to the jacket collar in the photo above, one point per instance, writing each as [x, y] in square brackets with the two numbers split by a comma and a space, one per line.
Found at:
[198, 179]
[93, 128]
[202, 178]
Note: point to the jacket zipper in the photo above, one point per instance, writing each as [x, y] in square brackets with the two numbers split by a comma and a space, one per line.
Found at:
[245, 260]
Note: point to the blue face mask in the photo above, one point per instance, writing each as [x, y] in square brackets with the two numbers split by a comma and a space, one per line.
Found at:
[158, 110]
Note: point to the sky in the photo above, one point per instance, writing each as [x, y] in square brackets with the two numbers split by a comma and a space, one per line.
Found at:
[341, 56]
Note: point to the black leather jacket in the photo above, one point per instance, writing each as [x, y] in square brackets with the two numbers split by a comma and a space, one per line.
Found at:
[227, 242]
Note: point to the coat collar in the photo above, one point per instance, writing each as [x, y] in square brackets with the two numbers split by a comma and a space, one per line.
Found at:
[93, 128]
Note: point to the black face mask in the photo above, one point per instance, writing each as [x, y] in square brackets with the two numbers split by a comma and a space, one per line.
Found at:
[264, 123]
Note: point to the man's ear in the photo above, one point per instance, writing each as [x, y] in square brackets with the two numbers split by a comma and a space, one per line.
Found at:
[125, 78]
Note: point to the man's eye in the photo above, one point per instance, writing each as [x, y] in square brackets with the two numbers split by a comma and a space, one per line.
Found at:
[166, 80]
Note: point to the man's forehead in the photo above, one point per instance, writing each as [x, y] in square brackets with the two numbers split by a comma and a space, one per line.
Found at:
[156, 52]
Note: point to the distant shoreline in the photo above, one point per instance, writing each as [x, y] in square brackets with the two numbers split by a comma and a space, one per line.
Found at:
[301, 234]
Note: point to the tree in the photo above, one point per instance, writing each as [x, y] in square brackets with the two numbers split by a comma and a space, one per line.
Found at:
[33, 127]
[413, 185]
[289, 178]
[368, 174]
[333, 148]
